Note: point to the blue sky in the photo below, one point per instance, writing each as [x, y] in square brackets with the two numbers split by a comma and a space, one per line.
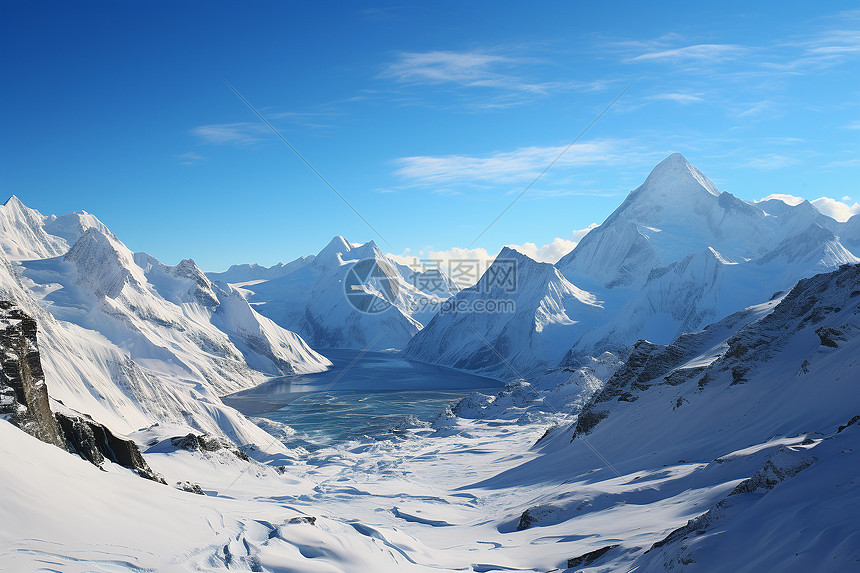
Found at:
[429, 119]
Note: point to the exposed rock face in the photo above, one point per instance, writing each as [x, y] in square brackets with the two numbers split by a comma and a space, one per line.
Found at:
[23, 393]
[95, 443]
[190, 487]
[590, 557]
[195, 443]
[532, 516]
[24, 401]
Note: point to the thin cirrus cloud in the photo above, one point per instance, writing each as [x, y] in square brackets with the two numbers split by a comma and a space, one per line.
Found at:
[469, 69]
[501, 166]
[679, 97]
[190, 158]
[834, 42]
[771, 161]
[702, 53]
[241, 133]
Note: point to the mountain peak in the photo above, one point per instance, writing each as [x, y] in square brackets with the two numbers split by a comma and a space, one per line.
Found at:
[337, 245]
[511, 253]
[13, 200]
[676, 176]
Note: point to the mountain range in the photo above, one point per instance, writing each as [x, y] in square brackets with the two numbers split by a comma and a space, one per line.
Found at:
[681, 395]
[676, 255]
[132, 342]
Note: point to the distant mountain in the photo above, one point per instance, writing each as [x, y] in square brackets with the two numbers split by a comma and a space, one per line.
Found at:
[254, 272]
[674, 257]
[27, 234]
[132, 342]
[312, 299]
[677, 211]
[531, 323]
[849, 234]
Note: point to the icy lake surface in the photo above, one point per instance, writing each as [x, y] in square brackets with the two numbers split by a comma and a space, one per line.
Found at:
[362, 396]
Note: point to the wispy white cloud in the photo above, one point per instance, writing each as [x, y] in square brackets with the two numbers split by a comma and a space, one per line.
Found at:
[844, 163]
[469, 69]
[770, 161]
[555, 249]
[758, 108]
[241, 133]
[815, 52]
[505, 166]
[784, 197]
[700, 53]
[482, 79]
[827, 43]
[678, 97]
[190, 158]
[852, 125]
[464, 266]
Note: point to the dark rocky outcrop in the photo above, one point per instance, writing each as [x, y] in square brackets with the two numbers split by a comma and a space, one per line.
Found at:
[23, 393]
[309, 519]
[203, 442]
[830, 337]
[190, 487]
[590, 557]
[535, 515]
[96, 443]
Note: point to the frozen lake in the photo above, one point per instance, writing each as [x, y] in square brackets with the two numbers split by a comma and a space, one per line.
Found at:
[361, 396]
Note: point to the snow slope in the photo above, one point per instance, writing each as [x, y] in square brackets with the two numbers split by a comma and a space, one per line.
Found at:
[759, 525]
[61, 513]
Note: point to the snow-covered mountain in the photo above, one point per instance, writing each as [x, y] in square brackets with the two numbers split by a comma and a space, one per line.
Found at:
[674, 257]
[677, 211]
[503, 328]
[849, 234]
[132, 342]
[312, 300]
